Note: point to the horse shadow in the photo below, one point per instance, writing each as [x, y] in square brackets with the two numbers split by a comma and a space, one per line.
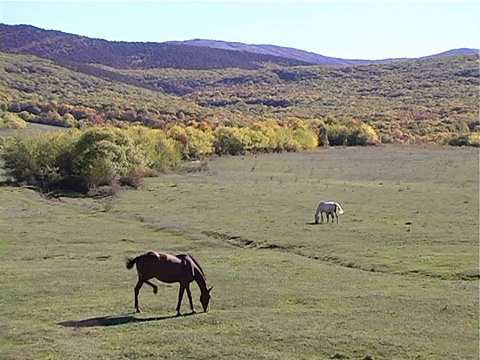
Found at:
[115, 320]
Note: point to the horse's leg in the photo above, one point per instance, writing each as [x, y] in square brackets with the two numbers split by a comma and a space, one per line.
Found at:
[189, 294]
[136, 291]
[336, 214]
[180, 296]
[321, 218]
[155, 287]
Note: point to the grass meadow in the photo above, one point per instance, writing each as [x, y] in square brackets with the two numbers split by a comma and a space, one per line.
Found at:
[396, 278]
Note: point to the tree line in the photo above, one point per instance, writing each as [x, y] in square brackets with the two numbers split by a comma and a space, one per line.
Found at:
[84, 159]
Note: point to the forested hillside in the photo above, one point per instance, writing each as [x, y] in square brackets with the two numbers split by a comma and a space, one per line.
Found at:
[69, 48]
[92, 81]
[404, 101]
[195, 54]
[302, 55]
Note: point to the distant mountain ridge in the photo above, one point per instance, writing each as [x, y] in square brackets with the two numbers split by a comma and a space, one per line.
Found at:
[273, 50]
[197, 54]
[70, 48]
[303, 55]
[461, 51]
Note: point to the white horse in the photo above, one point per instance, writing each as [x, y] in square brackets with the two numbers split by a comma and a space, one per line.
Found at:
[330, 208]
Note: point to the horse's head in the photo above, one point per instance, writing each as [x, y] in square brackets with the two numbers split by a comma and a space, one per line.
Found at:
[205, 299]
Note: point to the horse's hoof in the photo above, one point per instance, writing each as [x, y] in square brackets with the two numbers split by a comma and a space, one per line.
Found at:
[155, 290]
[139, 311]
[178, 314]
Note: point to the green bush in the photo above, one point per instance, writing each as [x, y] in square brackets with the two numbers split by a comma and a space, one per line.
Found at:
[161, 153]
[166, 153]
[25, 115]
[337, 134]
[352, 133]
[194, 142]
[12, 121]
[362, 134]
[228, 141]
[38, 160]
[104, 155]
[20, 162]
[285, 141]
[256, 141]
[306, 138]
[469, 139]
[263, 135]
[200, 142]
[78, 160]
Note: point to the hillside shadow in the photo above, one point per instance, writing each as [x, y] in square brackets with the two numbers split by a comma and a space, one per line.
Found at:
[115, 320]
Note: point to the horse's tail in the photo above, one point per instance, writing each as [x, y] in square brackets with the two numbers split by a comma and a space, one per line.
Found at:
[131, 261]
[340, 210]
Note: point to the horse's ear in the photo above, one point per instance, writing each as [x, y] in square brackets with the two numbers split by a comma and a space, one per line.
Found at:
[211, 287]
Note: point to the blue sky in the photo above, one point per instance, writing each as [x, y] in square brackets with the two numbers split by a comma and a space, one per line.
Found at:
[345, 29]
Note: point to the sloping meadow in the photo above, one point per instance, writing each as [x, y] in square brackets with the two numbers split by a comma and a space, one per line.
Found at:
[397, 277]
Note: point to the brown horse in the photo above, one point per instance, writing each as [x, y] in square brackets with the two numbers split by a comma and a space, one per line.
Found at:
[171, 269]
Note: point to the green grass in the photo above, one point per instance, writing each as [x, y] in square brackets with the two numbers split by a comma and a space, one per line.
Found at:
[283, 288]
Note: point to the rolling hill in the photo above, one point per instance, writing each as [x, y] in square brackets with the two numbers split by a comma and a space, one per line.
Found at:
[197, 54]
[405, 101]
[67, 48]
[305, 56]
[272, 50]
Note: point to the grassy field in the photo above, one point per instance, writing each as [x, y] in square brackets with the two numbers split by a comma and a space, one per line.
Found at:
[397, 278]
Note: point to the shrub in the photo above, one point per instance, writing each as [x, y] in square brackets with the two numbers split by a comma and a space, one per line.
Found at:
[228, 141]
[266, 138]
[200, 142]
[161, 153]
[12, 121]
[469, 139]
[20, 165]
[37, 160]
[81, 161]
[104, 155]
[179, 134]
[362, 134]
[256, 141]
[193, 141]
[166, 153]
[353, 133]
[26, 116]
[306, 138]
[68, 120]
[337, 134]
[285, 140]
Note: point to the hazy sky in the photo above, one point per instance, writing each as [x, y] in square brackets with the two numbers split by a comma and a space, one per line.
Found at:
[345, 29]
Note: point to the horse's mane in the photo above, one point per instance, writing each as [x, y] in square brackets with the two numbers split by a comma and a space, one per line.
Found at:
[195, 261]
